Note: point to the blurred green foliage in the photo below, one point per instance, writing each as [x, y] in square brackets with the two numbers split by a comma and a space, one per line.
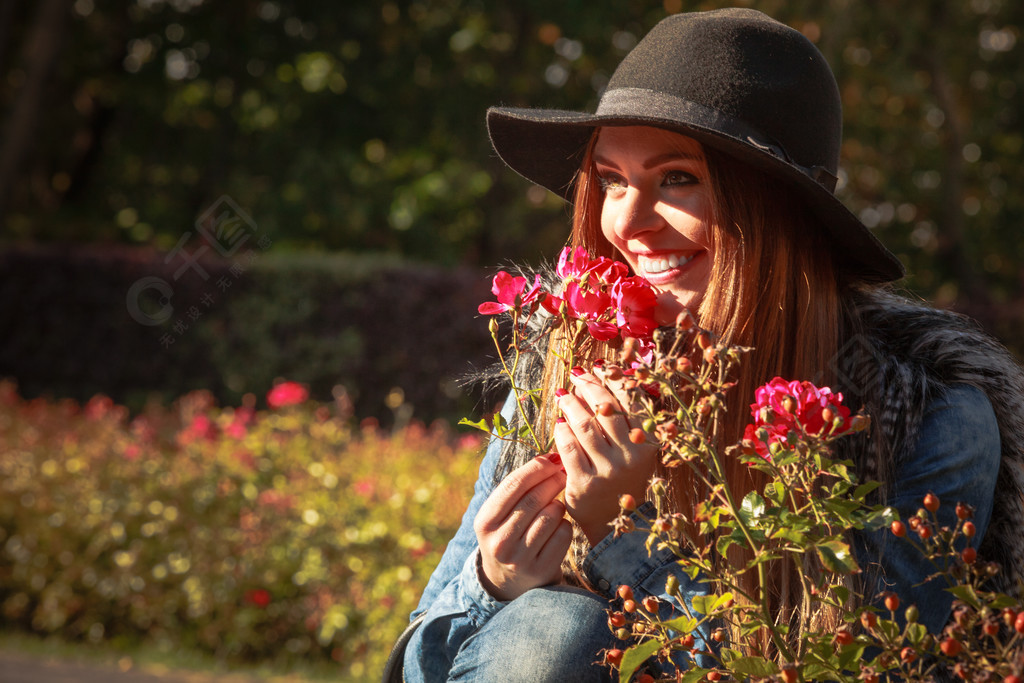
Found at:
[359, 125]
[294, 535]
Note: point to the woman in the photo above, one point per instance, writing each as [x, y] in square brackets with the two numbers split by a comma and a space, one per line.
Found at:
[709, 168]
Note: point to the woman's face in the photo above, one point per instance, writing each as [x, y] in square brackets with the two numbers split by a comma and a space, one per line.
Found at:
[657, 210]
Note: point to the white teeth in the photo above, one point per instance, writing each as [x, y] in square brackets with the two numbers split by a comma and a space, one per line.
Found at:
[653, 266]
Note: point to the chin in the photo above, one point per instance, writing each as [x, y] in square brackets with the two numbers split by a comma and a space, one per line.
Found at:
[671, 304]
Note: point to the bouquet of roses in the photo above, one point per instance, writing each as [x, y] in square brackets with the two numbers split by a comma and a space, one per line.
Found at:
[677, 378]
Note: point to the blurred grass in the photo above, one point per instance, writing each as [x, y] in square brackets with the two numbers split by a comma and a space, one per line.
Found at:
[162, 660]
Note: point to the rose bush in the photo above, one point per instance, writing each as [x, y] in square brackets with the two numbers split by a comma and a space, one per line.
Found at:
[678, 380]
[282, 535]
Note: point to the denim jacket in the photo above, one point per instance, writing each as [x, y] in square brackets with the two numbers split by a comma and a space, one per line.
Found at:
[956, 457]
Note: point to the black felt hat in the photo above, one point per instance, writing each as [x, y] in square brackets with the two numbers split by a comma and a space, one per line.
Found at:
[734, 80]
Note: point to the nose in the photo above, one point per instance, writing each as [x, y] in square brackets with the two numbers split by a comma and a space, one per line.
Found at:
[635, 213]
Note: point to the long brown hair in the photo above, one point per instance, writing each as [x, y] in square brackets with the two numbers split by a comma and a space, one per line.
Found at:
[775, 287]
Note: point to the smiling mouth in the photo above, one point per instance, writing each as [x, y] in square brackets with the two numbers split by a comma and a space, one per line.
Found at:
[654, 266]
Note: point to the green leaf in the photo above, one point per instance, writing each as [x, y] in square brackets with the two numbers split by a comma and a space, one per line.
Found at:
[752, 507]
[695, 674]
[836, 556]
[880, 518]
[703, 603]
[479, 424]
[966, 594]
[683, 624]
[818, 672]
[890, 629]
[850, 654]
[790, 534]
[864, 489]
[721, 600]
[635, 656]
[916, 633]
[752, 666]
[1001, 601]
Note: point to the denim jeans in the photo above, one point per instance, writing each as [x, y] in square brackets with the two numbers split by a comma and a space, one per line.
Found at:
[546, 634]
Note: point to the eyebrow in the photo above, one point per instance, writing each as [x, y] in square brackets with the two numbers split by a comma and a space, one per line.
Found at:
[655, 160]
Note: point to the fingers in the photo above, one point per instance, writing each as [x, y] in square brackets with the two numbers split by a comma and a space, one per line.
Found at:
[594, 412]
[548, 531]
[522, 530]
[519, 493]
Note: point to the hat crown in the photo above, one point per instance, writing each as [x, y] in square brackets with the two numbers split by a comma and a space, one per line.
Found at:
[746, 67]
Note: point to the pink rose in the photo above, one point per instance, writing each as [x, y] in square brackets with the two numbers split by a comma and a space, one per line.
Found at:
[508, 291]
[634, 301]
[781, 407]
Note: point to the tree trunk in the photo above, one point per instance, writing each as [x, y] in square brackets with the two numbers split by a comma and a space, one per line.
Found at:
[39, 57]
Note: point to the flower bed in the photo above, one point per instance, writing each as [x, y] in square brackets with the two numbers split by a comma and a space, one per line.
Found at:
[282, 535]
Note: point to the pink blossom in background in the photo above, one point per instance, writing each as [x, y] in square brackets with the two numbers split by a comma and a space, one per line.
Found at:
[275, 499]
[240, 421]
[779, 406]
[98, 407]
[259, 597]
[201, 428]
[364, 488]
[286, 394]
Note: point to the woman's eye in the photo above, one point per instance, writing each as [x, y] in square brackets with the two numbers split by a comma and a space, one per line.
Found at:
[611, 182]
[679, 178]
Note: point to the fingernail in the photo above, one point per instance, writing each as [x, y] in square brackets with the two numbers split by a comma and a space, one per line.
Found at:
[559, 420]
[577, 371]
[559, 392]
[555, 458]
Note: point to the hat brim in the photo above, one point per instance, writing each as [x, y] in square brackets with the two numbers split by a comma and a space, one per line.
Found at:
[546, 146]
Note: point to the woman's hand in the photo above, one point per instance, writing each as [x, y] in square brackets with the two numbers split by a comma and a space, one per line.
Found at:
[522, 530]
[601, 463]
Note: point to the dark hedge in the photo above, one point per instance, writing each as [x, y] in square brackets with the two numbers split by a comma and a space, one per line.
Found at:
[369, 323]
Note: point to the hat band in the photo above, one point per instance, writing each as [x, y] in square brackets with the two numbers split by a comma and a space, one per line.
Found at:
[627, 102]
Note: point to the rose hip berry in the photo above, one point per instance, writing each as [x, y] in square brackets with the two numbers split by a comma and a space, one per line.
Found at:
[950, 647]
[613, 656]
[892, 602]
[843, 636]
[931, 502]
[625, 592]
[899, 528]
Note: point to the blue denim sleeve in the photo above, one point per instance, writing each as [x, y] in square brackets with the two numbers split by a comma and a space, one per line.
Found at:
[455, 602]
[625, 560]
[957, 458]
